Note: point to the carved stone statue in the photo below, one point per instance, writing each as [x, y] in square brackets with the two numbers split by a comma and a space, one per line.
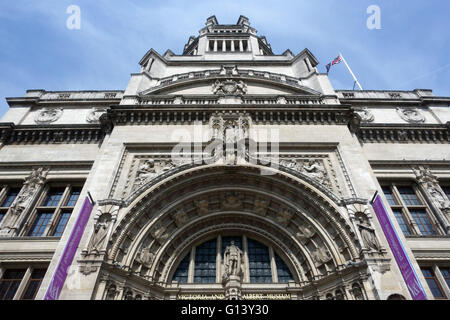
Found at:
[202, 207]
[367, 233]
[159, 232]
[365, 114]
[320, 256]
[233, 261]
[284, 217]
[260, 207]
[305, 233]
[98, 238]
[146, 257]
[95, 114]
[150, 169]
[315, 170]
[181, 218]
[229, 87]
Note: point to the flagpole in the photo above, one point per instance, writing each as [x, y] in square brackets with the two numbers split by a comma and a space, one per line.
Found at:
[351, 72]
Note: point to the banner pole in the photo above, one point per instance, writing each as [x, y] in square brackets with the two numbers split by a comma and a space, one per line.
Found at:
[351, 72]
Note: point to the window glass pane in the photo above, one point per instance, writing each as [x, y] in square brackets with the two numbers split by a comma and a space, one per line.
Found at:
[402, 222]
[53, 197]
[34, 284]
[409, 196]
[423, 222]
[432, 283]
[259, 262]
[181, 275]
[447, 191]
[10, 197]
[10, 283]
[40, 223]
[284, 275]
[61, 224]
[389, 196]
[446, 274]
[205, 262]
[73, 198]
[2, 215]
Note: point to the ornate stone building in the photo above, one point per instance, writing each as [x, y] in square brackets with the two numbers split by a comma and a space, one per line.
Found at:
[234, 217]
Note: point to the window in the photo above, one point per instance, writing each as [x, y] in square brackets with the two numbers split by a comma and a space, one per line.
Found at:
[10, 282]
[50, 217]
[433, 283]
[446, 274]
[259, 263]
[205, 262]
[33, 284]
[7, 198]
[410, 210]
[205, 265]
[447, 191]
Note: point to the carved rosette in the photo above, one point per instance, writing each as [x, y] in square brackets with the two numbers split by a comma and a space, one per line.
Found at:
[48, 115]
[411, 115]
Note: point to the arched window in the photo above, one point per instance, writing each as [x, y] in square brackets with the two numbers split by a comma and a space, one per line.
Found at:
[204, 265]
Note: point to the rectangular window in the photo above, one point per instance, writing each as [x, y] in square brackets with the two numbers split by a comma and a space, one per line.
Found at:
[10, 197]
[433, 283]
[447, 191]
[33, 284]
[40, 224]
[205, 262]
[62, 222]
[402, 222]
[2, 215]
[446, 274]
[389, 196]
[10, 283]
[73, 198]
[53, 197]
[259, 263]
[423, 222]
[409, 196]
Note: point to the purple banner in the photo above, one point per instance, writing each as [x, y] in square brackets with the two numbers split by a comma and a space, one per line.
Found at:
[403, 262]
[60, 275]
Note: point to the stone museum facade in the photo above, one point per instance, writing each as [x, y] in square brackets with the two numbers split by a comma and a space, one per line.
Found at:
[226, 172]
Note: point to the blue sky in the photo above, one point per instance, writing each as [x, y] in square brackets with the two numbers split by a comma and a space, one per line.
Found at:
[37, 51]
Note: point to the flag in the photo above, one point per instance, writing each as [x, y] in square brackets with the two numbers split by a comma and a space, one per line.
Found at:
[332, 63]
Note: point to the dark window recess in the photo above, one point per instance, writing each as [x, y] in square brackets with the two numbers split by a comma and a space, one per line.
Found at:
[182, 273]
[33, 284]
[433, 284]
[205, 262]
[10, 197]
[10, 283]
[40, 224]
[259, 263]
[62, 222]
[54, 197]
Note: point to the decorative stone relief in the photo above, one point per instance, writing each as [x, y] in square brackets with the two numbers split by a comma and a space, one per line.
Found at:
[31, 187]
[231, 202]
[284, 216]
[202, 207]
[180, 218]
[411, 115]
[320, 256]
[159, 232]
[365, 114]
[360, 214]
[305, 232]
[260, 207]
[229, 87]
[48, 115]
[431, 186]
[149, 169]
[95, 114]
[233, 262]
[146, 257]
[313, 168]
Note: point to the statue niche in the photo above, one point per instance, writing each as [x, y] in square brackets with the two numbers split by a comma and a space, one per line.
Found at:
[233, 262]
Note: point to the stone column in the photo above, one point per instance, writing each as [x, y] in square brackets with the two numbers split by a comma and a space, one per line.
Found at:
[241, 46]
[232, 46]
[224, 45]
[215, 45]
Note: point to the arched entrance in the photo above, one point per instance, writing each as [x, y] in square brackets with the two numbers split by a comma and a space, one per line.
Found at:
[308, 242]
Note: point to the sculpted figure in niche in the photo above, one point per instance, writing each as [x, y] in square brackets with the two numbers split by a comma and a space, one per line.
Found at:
[232, 261]
[180, 218]
[315, 170]
[284, 216]
[100, 232]
[202, 207]
[305, 233]
[231, 202]
[159, 232]
[437, 194]
[320, 256]
[367, 232]
[146, 257]
[261, 207]
[149, 170]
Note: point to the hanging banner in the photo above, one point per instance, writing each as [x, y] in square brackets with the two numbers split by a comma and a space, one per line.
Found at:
[403, 262]
[60, 275]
